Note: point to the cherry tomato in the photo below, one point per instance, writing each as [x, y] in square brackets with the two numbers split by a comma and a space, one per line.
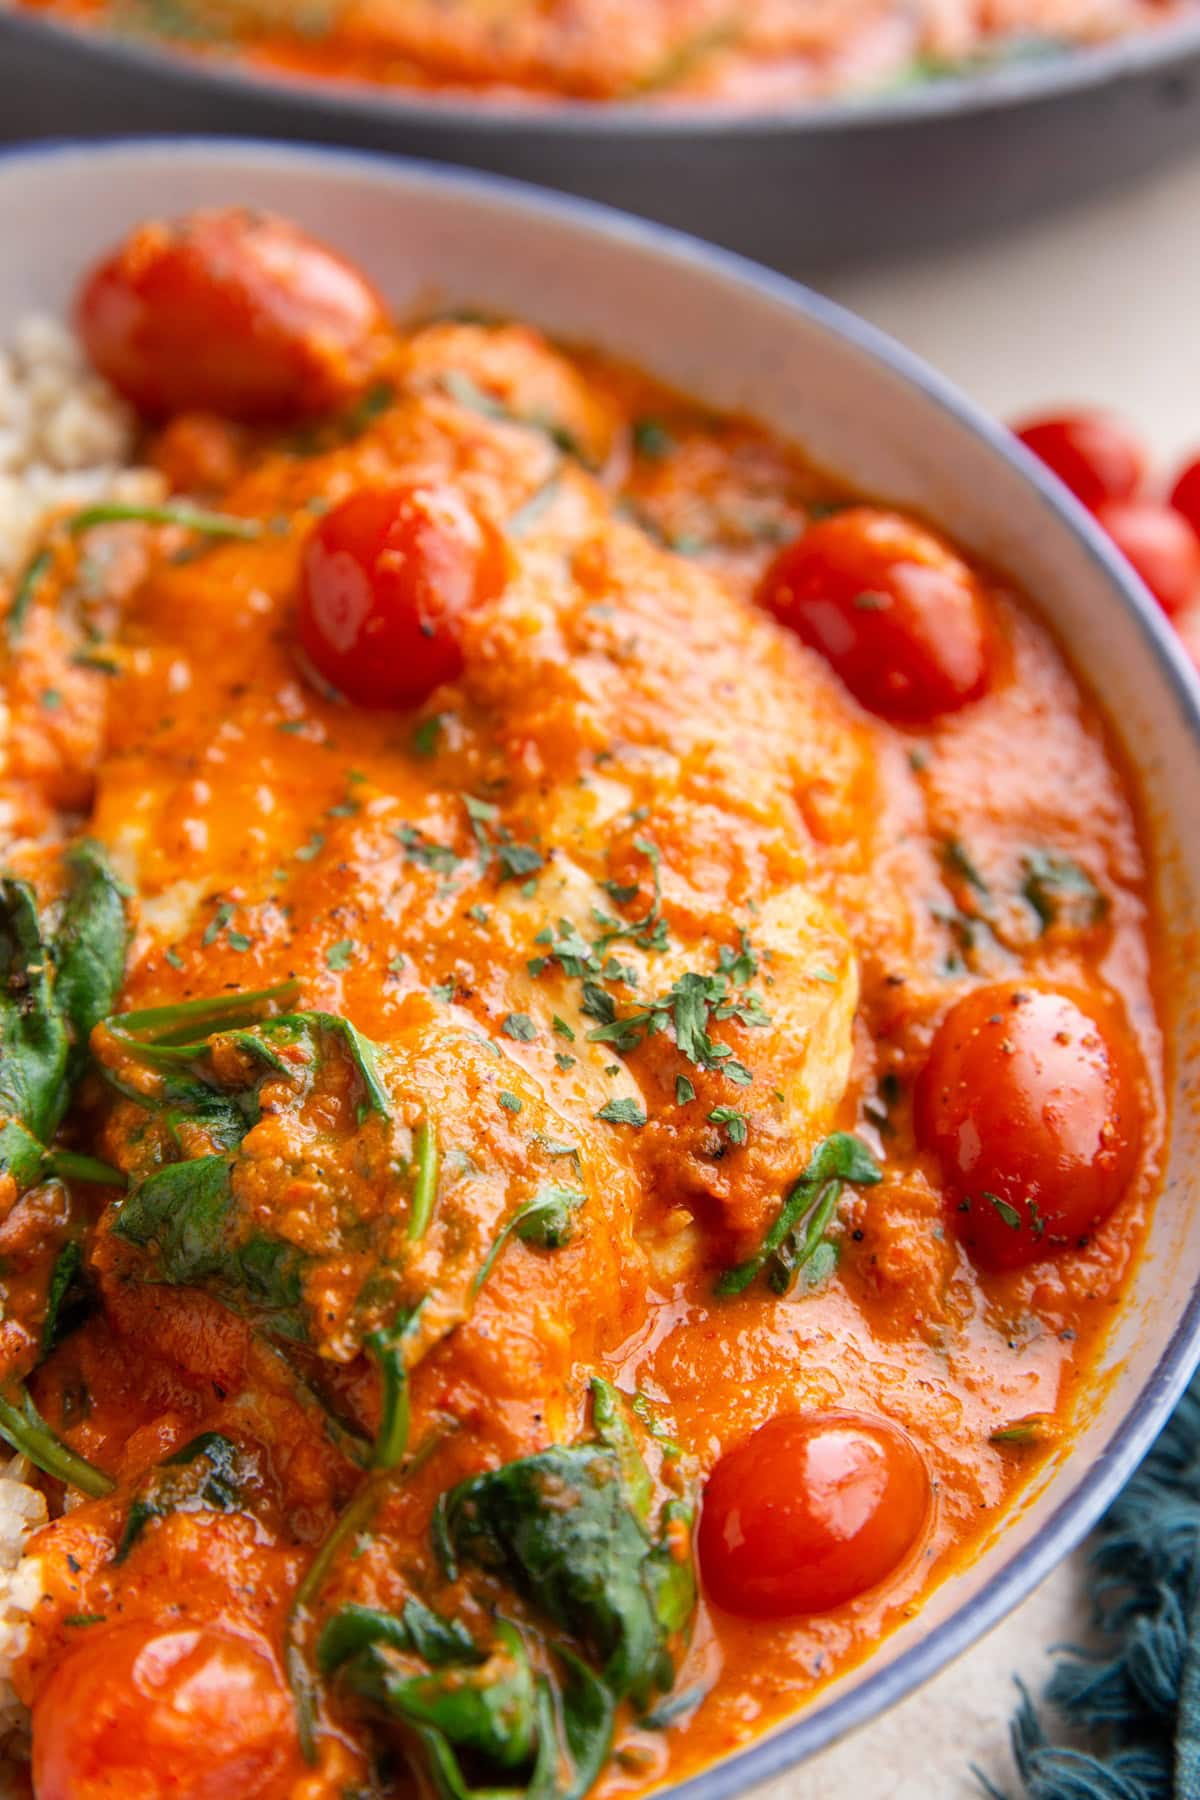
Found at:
[233, 313]
[1161, 545]
[386, 579]
[1185, 495]
[808, 1511]
[139, 1712]
[1029, 1099]
[1094, 454]
[894, 611]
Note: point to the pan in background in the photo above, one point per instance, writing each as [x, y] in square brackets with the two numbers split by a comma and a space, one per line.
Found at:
[806, 188]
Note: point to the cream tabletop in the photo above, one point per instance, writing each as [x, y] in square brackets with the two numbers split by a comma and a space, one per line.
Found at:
[1099, 306]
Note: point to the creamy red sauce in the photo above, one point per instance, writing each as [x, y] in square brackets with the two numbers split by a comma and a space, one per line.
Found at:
[757, 53]
[640, 905]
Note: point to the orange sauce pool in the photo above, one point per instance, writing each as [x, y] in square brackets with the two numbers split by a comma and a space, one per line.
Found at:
[759, 53]
[638, 779]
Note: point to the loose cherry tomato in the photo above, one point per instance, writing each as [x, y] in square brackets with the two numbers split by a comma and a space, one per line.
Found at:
[385, 581]
[1029, 1099]
[1160, 544]
[233, 313]
[1094, 454]
[895, 612]
[139, 1712]
[1185, 495]
[808, 1511]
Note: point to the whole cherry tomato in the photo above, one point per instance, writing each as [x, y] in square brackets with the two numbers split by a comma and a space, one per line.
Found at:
[808, 1511]
[385, 581]
[1160, 544]
[891, 608]
[147, 1712]
[234, 313]
[1029, 1099]
[1096, 456]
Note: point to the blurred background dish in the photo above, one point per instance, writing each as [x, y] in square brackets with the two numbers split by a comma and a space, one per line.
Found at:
[807, 183]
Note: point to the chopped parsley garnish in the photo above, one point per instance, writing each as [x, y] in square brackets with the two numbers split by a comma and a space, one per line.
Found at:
[314, 847]
[735, 1124]
[652, 440]
[562, 1029]
[338, 955]
[564, 1061]
[519, 1026]
[684, 1091]
[1008, 1214]
[420, 849]
[217, 924]
[510, 1102]
[622, 1112]
[513, 861]
[425, 735]
[444, 992]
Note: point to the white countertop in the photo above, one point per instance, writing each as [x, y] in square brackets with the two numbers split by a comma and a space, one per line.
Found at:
[1099, 306]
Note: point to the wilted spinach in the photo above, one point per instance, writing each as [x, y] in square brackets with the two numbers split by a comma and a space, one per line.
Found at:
[1061, 892]
[568, 1529]
[799, 1229]
[187, 1216]
[54, 987]
[203, 1475]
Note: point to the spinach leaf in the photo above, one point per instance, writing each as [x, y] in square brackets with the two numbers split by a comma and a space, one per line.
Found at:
[90, 948]
[22, 1426]
[186, 1215]
[563, 1529]
[555, 1731]
[547, 1221]
[1061, 892]
[63, 1278]
[389, 1349]
[52, 993]
[484, 1704]
[34, 1043]
[201, 1476]
[803, 1219]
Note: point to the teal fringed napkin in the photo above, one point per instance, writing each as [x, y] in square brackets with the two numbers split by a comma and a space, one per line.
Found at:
[1138, 1698]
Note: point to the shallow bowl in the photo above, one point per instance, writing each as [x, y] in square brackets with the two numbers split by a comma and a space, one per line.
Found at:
[744, 339]
[805, 187]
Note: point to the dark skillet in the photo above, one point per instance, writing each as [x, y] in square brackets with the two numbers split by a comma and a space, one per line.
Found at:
[806, 188]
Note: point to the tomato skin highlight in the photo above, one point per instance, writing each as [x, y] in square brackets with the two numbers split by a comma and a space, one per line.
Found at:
[143, 1712]
[809, 1511]
[1092, 453]
[386, 579]
[233, 313]
[1162, 547]
[898, 616]
[1030, 1101]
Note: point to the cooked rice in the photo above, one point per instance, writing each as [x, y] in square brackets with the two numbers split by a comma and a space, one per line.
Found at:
[66, 440]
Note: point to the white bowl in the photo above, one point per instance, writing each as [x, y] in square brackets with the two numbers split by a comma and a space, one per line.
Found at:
[744, 339]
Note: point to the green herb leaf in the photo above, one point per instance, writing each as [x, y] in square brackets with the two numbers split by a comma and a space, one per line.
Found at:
[1062, 893]
[803, 1219]
[203, 1476]
[622, 1112]
[22, 1426]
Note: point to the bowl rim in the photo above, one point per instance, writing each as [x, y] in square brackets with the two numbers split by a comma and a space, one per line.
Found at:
[1021, 82]
[1131, 1436]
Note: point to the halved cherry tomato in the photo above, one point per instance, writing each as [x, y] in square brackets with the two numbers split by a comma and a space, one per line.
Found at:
[1029, 1099]
[386, 579]
[143, 1712]
[230, 312]
[1160, 544]
[890, 606]
[808, 1511]
[1185, 495]
[1096, 456]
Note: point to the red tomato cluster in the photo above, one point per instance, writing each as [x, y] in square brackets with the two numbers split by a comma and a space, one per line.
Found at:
[1106, 466]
